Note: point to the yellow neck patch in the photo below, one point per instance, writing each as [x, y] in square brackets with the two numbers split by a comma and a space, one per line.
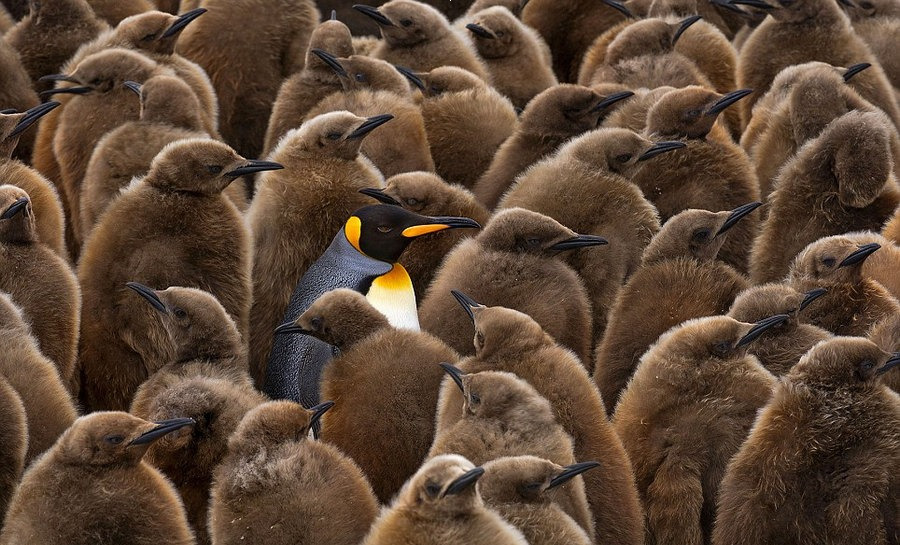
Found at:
[353, 230]
[393, 295]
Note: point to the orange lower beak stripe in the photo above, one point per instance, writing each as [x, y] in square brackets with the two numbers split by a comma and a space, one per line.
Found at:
[419, 230]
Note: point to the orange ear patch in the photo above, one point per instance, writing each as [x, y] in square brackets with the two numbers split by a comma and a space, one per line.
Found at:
[353, 230]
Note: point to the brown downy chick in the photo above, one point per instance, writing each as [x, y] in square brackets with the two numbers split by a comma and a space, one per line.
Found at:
[685, 412]
[508, 341]
[785, 343]
[679, 279]
[549, 120]
[419, 37]
[514, 6]
[517, 58]
[426, 194]
[886, 334]
[882, 266]
[821, 462]
[304, 89]
[539, 497]
[115, 11]
[440, 505]
[196, 237]
[93, 488]
[726, 20]
[39, 281]
[387, 380]
[587, 187]
[324, 175]
[852, 303]
[47, 404]
[708, 174]
[878, 24]
[839, 182]
[274, 472]
[632, 114]
[516, 262]
[14, 435]
[17, 93]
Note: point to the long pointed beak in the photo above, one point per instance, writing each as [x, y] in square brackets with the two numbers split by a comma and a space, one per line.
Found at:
[65, 91]
[580, 241]
[466, 302]
[892, 362]
[58, 77]
[455, 373]
[847, 3]
[860, 255]
[725, 4]
[855, 69]
[480, 31]
[811, 296]
[254, 166]
[15, 208]
[134, 86]
[612, 99]
[31, 117]
[318, 411]
[380, 196]
[464, 481]
[660, 148]
[369, 125]
[737, 215]
[727, 101]
[162, 428]
[331, 61]
[150, 295]
[758, 4]
[373, 13]
[183, 20]
[620, 7]
[411, 76]
[439, 223]
[761, 327]
[291, 328]
[570, 472]
[685, 24]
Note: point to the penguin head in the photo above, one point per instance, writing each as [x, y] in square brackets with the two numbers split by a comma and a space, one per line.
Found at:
[405, 23]
[563, 110]
[445, 79]
[800, 11]
[832, 259]
[689, 112]
[362, 72]
[13, 124]
[383, 231]
[445, 484]
[168, 99]
[496, 33]
[758, 302]
[517, 230]
[530, 480]
[335, 134]
[106, 72]
[496, 395]
[697, 234]
[275, 423]
[500, 330]
[154, 31]
[652, 36]
[16, 216]
[861, 10]
[514, 6]
[331, 36]
[340, 317]
[200, 166]
[427, 194]
[112, 439]
[56, 10]
[619, 151]
[859, 149]
[886, 334]
[845, 363]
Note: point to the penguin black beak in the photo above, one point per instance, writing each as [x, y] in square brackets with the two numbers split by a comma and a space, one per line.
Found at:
[254, 166]
[66, 91]
[725, 4]
[620, 7]
[892, 362]
[855, 69]
[150, 295]
[380, 196]
[133, 86]
[727, 101]
[162, 428]
[439, 223]
[467, 303]
[580, 241]
[660, 148]
[331, 61]
[761, 327]
[15, 208]
[847, 3]
[464, 482]
[737, 215]
[369, 125]
[860, 255]
[31, 117]
[570, 472]
[758, 4]
[374, 14]
[318, 411]
[811, 296]
[58, 77]
[612, 99]
[183, 20]
[684, 25]
[291, 328]
[411, 76]
[480, 31]
[455, 373]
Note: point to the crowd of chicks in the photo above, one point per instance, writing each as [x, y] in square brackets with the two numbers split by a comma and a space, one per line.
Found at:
[656, 247]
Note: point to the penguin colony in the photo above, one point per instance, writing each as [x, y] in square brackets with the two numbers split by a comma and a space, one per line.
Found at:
[492, 272]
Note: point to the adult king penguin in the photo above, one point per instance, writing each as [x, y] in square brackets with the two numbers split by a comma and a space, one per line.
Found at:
[363, 256]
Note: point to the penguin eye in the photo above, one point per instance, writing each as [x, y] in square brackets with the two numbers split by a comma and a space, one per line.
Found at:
[333, 136]
[499, 34]
[148, 38]
[316, 323]
[114, 439]
[435, 90]
[432, 489]
[180, 313]
[701, 235]
[474, 399]
[532, 487]
[866, 5]
[721, 348]
[829, 262]
[360, 77]
[406, 22]
[96, 82]
[412, 201]
[214, 169]
[479, 339]
[624, 158]
[867, 365]
[693, 114]
[385, 228]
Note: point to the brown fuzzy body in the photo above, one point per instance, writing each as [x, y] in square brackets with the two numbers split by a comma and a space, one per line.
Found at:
[16, 92]
[881, 35]
[545, 524]
[14, 434]
[848, 308]
[46, 204]
[113, 11]
[891, 229]
[882, 266]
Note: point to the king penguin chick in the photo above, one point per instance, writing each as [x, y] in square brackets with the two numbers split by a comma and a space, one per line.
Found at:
[419, 37]
[883, 265]
[39, 281]
[878, 24]
[93, 488]
[586, 186]
[839, 182]
[247, 67]
[886, 334]
[785, 343]
[379, 369]
[708, 174]
[517, 59]
[16, 94]
[178, 215]
[852, 303]
[14, 434]
[279, 487]
[47, 404]
[778, 489]
[550, 119]
[115, 11]
[685, 412]
[304, 89]
[514, 263]
[525, 490]
[363, 257]
[508, 341]
[324, 175]
[679, 278]
[440, 505]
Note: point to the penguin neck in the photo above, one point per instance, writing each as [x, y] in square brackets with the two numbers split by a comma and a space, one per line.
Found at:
[393, 295]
